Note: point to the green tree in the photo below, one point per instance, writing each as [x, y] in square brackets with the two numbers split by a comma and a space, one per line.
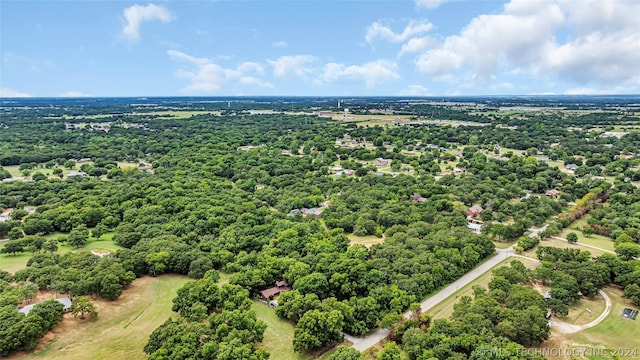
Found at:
[82, 305]
[78, 236]
[627, 251]
[316, 329]
[391, 351]
[15, 233]
[632, 292]
[572, 237]
[345, 353]
[50, 245]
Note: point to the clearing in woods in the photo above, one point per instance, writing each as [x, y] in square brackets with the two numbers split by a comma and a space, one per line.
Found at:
[123, 326]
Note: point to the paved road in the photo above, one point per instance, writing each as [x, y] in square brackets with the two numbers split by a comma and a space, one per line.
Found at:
[570, 328]
[535, 232]
[362, 344]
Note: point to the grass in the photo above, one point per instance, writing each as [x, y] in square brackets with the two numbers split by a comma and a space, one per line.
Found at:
[599, 241]
[563, 244]
[278, 338]
[504, 245]
[614, 332]
[177, 114]
[578, 314]
[13, 263]
[123, 327]
[14, 170]
[367, 241]
[444, 309]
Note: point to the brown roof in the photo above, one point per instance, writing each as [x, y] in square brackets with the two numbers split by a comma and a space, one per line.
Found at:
[273, 291]
[476, 209]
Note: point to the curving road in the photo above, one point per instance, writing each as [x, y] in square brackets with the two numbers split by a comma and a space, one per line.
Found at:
[567, 328]
[364, 343]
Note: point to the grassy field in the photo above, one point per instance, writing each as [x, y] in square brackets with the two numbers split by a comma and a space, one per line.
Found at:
[599, 241]
[13, 263]
[14, 170]
[563, 244]
[445, 308]
[578, 313]
[177, 114]
[504, 245]
[614, 332]
[278, 338]
[123, 327]
[367, 241]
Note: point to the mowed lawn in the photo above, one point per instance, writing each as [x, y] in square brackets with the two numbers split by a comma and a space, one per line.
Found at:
[614, 332]
[278, 338]
[598, 241]
[13, 263]
[123, 326]
[563, 244]
[367, 241]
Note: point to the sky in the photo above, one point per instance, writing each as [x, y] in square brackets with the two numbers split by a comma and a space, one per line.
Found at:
[319, 48]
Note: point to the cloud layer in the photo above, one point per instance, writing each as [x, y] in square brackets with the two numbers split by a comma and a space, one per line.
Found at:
[601, 45]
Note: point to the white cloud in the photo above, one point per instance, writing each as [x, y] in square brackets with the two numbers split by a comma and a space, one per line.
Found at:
[591, 43]
[415, 90]
[74, 94]
[372, 73]
[137, 14]
[205, 76]
[297, 65]
[4, 92]
[280, 44]
[521, 35]
[429, 4]
[380, 31]
[416, 44]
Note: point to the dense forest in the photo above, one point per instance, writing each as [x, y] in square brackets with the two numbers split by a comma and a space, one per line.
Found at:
[231, 192]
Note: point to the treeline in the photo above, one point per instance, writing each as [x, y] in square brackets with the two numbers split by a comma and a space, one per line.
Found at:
[496, 323]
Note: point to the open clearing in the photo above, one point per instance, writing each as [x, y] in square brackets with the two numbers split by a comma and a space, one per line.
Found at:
[614, 332]
[13, 263]
[278, 338]
[123, 326]
[563, 245]
[596, 240]
[367, 241]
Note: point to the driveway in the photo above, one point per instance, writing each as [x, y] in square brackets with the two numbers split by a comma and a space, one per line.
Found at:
[566, 328]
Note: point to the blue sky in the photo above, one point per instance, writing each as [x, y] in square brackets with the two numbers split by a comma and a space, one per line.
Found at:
[344, 48]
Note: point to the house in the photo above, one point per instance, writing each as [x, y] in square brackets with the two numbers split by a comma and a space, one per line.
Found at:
[312, 211]
[76, 173]
[474, 211]
[552, 192]
[416, 197]
[5, 215]
[281, 286]
[382, 162]
[66, 306]
[571, 167]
